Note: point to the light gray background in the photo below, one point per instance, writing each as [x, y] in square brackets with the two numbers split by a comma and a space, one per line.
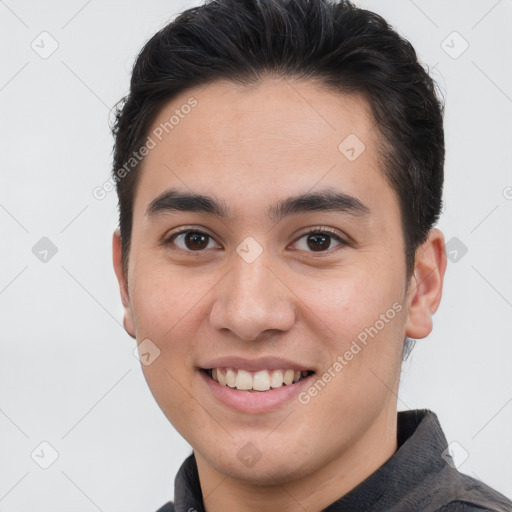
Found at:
[68, 374]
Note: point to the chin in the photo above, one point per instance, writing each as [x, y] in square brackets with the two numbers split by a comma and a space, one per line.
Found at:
[273, 467]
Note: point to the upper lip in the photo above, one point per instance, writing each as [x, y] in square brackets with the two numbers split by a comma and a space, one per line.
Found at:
[260, 363]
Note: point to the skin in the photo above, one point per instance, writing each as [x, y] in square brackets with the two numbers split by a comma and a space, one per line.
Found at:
[250, 147]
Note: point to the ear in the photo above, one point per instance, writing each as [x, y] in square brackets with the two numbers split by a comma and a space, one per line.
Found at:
[123, 284]
[426, 285]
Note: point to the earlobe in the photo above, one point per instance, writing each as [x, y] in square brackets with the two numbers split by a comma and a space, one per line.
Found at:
[426, 285]
[123, 284]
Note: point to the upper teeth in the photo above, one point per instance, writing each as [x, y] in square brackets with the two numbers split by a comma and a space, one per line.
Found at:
[260, 381]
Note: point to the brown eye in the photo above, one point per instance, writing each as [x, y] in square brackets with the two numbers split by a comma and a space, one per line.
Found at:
[192, 241]
[196, 241]
[319, 240]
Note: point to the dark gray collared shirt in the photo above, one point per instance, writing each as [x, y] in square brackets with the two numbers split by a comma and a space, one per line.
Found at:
[419, 477]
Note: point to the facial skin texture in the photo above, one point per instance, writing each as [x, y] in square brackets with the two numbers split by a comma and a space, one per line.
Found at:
[251, 147]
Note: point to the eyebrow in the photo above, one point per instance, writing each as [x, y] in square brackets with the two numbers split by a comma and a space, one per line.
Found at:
[327, 200]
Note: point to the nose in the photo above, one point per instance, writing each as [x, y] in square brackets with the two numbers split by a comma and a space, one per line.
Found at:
[252, 300]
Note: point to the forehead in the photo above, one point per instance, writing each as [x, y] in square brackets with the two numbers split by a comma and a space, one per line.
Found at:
[274, 138]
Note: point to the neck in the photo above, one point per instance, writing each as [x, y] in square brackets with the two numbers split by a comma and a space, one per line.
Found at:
[314, 491]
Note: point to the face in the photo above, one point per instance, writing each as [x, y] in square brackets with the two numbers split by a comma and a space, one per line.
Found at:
[292, 262]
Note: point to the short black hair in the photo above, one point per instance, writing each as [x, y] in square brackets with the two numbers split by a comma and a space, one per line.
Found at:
[347, 48]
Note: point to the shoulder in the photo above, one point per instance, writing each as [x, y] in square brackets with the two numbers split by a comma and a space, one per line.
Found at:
[476, 496]
[461, 506]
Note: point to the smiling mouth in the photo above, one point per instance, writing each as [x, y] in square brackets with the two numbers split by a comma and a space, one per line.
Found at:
[262, 380]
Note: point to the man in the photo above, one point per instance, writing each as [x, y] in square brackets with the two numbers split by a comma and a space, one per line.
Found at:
[279, 166]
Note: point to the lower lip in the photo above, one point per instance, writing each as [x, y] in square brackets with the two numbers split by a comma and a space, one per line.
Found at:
[256, 401]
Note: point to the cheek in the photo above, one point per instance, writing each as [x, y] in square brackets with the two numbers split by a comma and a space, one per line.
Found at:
[169, 306]
[345, 303]
[365, 319]
[166, 311]
[170, 387]
[163, 300]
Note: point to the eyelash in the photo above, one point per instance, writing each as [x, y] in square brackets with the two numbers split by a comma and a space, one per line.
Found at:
[316, 230]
